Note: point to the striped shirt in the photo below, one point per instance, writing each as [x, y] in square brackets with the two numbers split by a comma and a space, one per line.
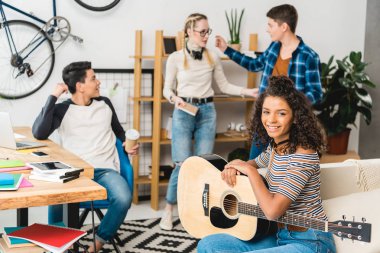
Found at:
[296, 176]
[304, 67]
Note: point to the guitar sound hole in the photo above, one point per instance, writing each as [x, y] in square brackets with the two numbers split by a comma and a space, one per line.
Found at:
[230, 205]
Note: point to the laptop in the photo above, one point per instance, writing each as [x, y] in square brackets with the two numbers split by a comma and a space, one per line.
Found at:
[7, 138]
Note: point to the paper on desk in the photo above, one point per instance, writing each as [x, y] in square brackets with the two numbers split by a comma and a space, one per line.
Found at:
[19, 136]
[25, 183]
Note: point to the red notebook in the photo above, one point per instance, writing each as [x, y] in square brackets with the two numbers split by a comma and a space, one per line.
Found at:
[53, 238]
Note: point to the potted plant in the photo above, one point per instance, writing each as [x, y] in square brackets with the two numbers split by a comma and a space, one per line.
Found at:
[344, 97]
[234, 22]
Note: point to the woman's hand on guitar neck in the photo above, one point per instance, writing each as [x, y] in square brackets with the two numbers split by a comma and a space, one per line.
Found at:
[233, 168]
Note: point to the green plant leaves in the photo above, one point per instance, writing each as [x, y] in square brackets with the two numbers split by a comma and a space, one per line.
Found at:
[234, 23]
[344, 93]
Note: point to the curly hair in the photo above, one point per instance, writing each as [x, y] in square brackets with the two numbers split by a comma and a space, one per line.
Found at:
[305, 132]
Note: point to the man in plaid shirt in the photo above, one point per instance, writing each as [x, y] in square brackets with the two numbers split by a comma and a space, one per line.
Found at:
[287, 55]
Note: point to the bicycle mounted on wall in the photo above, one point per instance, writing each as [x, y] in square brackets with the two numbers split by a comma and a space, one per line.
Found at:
[27, 54]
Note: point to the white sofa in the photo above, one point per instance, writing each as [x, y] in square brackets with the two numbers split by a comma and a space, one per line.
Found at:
[352, 188]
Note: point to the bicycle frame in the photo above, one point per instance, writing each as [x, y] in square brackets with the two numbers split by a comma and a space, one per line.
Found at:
[2, 3]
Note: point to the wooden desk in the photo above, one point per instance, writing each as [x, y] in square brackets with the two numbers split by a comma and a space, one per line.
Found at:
[55, 152]
[328, 158]
[50, 193]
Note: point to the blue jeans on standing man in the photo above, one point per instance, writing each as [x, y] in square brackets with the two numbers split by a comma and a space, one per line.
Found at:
[119, 196]
[285, 241]
[184, 126]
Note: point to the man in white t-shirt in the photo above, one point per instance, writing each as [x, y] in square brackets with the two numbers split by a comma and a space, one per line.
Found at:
[88, 127]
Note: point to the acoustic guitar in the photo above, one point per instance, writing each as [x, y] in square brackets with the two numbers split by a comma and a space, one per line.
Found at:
[207, 205]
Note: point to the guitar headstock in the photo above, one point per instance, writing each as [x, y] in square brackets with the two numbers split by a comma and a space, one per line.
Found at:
[359, 231]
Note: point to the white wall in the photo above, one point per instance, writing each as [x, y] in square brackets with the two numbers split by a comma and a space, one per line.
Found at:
[329, 27]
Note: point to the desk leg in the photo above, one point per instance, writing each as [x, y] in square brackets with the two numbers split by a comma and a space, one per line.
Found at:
[71, 215]
[71, 218]
[22, 217]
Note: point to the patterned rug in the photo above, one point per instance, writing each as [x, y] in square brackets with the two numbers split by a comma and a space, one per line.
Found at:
[142, 236]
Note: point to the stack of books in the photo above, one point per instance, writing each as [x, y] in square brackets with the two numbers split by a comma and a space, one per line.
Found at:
[54, 172]
[11, 166]
[9, 182]
[54, 239]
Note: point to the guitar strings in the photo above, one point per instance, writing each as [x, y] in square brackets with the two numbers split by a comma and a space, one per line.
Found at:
[228, 203]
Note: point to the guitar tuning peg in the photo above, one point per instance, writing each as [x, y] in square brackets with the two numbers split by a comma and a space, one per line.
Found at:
[364, 220]
[344, 217]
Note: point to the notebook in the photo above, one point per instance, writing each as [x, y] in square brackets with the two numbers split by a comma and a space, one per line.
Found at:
[189, 108]
[7, 138]
[16, 184]
[53, 238]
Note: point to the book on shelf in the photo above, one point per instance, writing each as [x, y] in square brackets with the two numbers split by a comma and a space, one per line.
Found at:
[53, 238]
[53, 179]
[32, 249]
[17, 179]
[54, 167]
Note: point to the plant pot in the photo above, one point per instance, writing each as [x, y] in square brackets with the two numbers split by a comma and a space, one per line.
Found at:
[338, 143]
[235, 46]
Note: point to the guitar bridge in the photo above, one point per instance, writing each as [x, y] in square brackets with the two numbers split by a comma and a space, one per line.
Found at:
[205, 198]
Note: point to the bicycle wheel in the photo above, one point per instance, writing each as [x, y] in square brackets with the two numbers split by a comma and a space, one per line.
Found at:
[98, 5]
[24, 74]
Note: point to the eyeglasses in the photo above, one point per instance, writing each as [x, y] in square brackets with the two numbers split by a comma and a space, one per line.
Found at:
[204, 32]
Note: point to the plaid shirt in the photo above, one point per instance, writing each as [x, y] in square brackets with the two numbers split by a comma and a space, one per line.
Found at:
[304, 68]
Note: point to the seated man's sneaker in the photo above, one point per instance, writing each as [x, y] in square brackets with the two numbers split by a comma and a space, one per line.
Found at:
[166, 222]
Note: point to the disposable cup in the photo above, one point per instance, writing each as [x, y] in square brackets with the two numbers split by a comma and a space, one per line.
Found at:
[131, 137]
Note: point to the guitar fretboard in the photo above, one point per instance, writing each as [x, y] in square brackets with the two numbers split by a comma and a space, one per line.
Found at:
[287, 218]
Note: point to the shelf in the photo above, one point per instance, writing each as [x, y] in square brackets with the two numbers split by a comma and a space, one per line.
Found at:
[145, 139]
[219, 138]
[146, 57]
[223, 99]
[145, 99]
[157, 101]
[141, 180]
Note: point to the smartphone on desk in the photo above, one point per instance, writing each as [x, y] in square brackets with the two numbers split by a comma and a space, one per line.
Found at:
[39, 153]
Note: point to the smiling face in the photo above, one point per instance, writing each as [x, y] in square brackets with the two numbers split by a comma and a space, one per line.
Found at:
[275, 30]
[90, 86]
[200, 33]
[277, 118]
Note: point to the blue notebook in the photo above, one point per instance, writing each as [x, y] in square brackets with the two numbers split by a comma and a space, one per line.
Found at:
[6, 179]
[16, 184]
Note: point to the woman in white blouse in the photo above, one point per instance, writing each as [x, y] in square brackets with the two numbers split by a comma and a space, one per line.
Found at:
[189, 74]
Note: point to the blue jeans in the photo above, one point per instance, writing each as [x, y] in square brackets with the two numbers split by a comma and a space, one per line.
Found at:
[119, 196]
[203, 127]
[256, 150]
[285, 241]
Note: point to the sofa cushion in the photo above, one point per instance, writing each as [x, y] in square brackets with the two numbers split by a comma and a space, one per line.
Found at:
[368, 173]
[363, 204]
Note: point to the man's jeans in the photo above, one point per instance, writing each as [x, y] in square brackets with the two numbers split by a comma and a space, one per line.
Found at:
[202, 127]
[119, 196]
[285, 241]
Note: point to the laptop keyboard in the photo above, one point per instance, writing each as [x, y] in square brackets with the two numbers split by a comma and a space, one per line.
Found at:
[21, 145]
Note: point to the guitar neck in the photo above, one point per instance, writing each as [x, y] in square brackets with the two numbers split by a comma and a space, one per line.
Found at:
[287, 218]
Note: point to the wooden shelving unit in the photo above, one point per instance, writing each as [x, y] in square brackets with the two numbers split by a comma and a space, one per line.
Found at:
[157, 101]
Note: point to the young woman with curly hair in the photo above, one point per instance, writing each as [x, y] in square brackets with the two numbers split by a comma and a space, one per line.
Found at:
[284, 119]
